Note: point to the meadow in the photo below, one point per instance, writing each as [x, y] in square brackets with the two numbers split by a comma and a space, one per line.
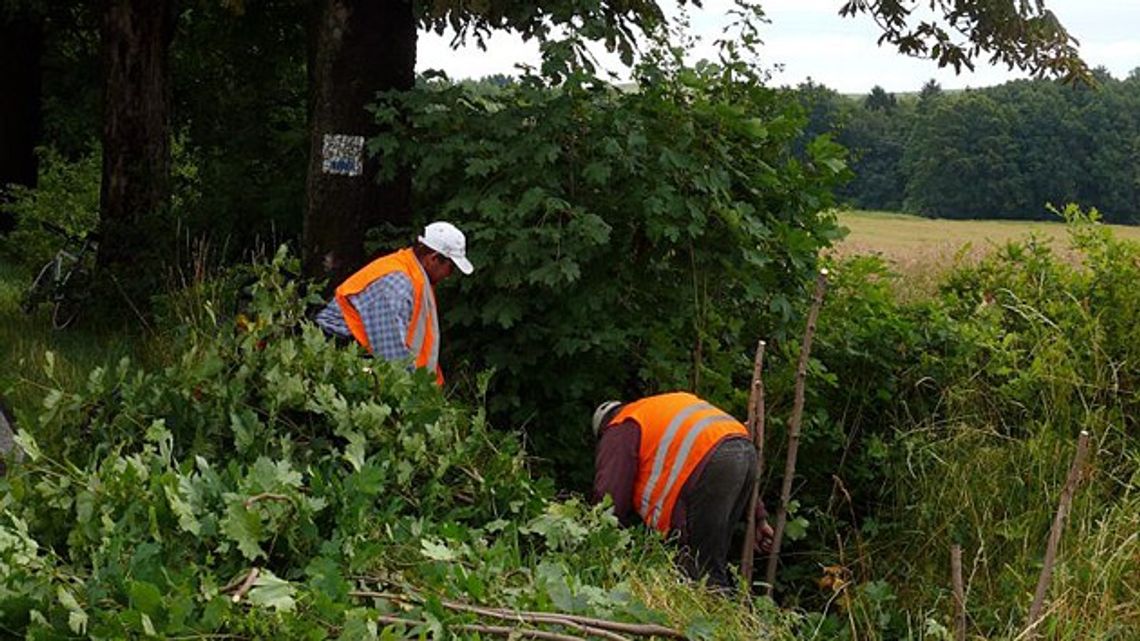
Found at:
[923, 250]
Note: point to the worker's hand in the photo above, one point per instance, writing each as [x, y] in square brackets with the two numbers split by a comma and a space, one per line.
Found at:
[764, 536]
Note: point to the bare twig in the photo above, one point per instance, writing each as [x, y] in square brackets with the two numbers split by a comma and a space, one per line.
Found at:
[959, 592]
[756, 431]
[596, 626]
[1055, 532]
[488, 629]
[266, 496]
[246, 584]
[794, 431]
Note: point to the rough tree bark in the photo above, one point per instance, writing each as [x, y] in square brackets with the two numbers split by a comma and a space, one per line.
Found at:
[359, 47]
[136, 36]
[21, 44]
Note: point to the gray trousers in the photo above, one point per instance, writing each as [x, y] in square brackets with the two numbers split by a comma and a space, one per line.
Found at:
[715, 505]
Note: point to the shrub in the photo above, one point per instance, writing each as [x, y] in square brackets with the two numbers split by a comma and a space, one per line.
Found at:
[150, 494]
[627, 242]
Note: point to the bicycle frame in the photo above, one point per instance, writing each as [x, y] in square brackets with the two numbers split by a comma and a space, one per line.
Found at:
[51, 283]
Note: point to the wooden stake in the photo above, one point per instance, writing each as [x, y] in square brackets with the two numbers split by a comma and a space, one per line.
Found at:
[756, 430]
[1055, 533]
[794, 431]
[959, 592]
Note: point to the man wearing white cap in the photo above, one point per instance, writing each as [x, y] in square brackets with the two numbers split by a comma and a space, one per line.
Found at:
[389, 305]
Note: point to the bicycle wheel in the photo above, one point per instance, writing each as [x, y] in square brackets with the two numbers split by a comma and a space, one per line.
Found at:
[40, 289]
[72, 297]
[64, 313]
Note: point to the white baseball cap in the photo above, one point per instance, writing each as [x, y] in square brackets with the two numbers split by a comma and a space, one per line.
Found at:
[446, 239]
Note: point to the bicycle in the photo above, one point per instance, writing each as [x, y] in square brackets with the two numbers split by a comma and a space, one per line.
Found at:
[64, 279]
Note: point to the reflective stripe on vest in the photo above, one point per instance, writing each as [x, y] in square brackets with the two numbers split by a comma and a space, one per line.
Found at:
[422, 338]
[419, 332]
[677, 431]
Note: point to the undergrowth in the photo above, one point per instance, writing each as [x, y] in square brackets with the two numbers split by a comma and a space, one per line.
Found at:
[252, 442]
[151, 493]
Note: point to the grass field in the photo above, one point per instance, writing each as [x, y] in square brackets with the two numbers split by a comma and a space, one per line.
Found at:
[922, 250]
[904, 238]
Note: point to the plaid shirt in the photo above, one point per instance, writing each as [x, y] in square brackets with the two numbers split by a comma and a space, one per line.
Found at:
[385, 308]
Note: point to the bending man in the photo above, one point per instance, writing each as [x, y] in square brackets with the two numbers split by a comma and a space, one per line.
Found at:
[684, 467]
[389, 305]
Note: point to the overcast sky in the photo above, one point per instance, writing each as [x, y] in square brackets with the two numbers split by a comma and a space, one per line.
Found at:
[809, 39]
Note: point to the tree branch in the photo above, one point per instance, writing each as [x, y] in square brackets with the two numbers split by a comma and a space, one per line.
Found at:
[597, 626]
[794, 431]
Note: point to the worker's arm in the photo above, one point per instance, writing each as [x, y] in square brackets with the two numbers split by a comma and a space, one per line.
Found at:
[615, 468]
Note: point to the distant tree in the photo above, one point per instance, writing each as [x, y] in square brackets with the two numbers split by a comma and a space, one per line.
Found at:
[929, 92]
[825, 110]
[931, 88]
[1107, 168]
[959, 162]
[1046, 149]
[498, 79]
[877, 140]
[880, 100]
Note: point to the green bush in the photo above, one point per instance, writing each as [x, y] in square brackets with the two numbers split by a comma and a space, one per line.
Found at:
[261, 445]
[626, 242]
[67, 196]
[953, 420]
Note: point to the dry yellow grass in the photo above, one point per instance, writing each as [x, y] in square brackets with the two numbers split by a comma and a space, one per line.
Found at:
[923, 249]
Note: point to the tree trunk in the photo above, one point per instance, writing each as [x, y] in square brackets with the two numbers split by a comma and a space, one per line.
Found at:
[359, 47]
[21, 44]
[136, 36]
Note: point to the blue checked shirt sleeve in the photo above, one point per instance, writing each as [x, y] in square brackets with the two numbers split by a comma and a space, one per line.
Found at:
[385, 308]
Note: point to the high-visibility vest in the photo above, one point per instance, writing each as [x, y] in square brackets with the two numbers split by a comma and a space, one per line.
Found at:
[422, 338]
[677, 431]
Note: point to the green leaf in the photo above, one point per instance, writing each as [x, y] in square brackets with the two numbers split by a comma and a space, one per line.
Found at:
[187, 520]
[701, 629]
[244, 528]
[272, 592]
[437, 551]
[76, 617]
[796, 528]
[145, 597]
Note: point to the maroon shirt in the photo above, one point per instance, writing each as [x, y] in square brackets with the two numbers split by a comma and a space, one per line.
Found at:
[615, 472]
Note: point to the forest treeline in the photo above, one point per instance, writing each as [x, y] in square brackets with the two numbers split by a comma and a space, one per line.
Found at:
[997, 152]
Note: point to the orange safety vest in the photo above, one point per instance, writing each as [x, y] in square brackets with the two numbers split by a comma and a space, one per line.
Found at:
[677, 431]
[423, 329]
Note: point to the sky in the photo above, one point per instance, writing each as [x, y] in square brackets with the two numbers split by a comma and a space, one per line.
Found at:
[807, 38]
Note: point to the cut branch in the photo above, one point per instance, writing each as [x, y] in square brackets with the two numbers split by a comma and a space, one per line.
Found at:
[1055, 532]
[756, 430]
[794, 431]
[502, 631]
[246, 584]
[266, 496]
[597, 626]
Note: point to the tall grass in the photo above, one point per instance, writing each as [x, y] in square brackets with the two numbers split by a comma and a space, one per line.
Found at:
[1046, 347]
[27, 339]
